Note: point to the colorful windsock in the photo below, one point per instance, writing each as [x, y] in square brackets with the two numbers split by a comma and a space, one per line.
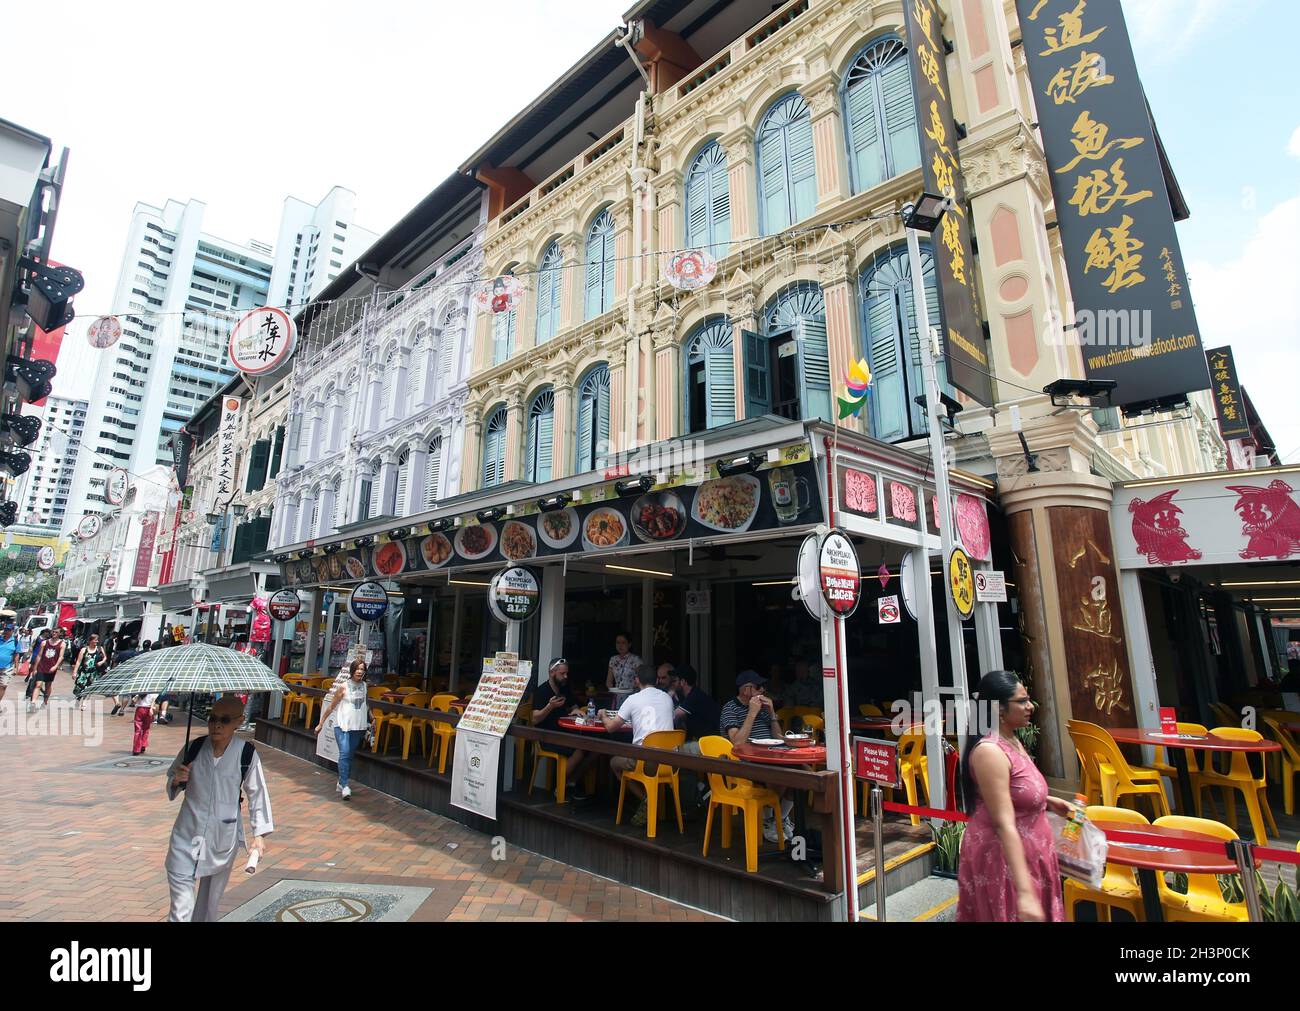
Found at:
[855, 395]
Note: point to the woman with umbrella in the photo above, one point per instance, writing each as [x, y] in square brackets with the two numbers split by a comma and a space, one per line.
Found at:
[90, 661]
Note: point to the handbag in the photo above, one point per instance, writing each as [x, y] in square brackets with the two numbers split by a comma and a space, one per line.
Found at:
[1080, 848]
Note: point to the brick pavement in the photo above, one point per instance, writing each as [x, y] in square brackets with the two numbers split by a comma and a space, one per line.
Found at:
[89, 845]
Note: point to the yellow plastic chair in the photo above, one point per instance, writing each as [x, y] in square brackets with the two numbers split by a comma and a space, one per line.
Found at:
[379, 718]
[783, 715]
[523, 716]
[805, 711]
[292, 699]
[867, 709]
[1203, 902]
[1290, 760]
[406, 724]
[1117, 777]
[444, 734]
[912, 764]
[1284, 717]
[409, 682]
[1225, 715]
[1119, 888]
[731, 795]
[310, 702]
[664, 776]
[1170, 771]
[1239, 778]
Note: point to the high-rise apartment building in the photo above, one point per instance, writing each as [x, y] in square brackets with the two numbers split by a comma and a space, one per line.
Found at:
[178, 293]
[42, 493]
[316, 243]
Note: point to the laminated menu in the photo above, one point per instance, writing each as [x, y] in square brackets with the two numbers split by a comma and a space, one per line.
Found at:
[501, 688]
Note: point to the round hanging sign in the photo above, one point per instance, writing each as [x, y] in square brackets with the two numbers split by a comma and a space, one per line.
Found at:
[839, 573]
[501, 294]
[115, 487]
[262, 341]
[367, 602]
[284, 605]
[690, 269]
[45, 558]
[104, 332]
[514, 594]
[907, 581]
[89, 527]
[111, 581]
[807, 582]
[961, 583]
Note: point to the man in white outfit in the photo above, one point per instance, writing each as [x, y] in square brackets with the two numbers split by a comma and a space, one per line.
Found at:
[209, 831]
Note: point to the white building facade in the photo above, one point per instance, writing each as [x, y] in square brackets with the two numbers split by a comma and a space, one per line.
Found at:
[178, 293]
[42, 493]
[316, 243]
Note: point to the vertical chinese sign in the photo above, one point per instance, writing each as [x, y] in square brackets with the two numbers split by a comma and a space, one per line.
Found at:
[144, 554]
[226, 442]
[1133, 313]
[1227, 394]
[965, 349]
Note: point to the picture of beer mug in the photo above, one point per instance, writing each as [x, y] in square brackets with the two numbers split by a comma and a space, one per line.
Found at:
[790, 494]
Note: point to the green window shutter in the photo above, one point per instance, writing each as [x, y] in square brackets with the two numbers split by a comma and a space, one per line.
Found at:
[278, 453]
[257, 464]
[758, 384]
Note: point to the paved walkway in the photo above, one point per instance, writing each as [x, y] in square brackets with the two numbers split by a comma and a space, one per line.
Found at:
[85, 843]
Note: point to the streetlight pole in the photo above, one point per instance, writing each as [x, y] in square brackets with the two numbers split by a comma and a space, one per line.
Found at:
[930, 348]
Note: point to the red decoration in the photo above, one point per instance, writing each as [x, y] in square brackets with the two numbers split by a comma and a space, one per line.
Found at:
[1158, 531]
[973, 526]
[902, 502]
[1270, 518]
[860, 492]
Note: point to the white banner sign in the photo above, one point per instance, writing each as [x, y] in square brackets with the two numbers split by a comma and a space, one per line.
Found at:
[327, 746]
[474, 773]
[226, 444]
[991, 587]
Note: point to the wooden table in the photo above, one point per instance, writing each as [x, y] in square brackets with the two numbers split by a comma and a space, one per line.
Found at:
[1177, 754]
[1149, 861]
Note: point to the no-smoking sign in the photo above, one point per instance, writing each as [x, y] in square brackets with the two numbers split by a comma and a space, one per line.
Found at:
[991, 587]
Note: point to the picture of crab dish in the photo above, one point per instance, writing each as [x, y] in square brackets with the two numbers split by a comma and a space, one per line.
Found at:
[517, 541]
[728, 504]
[436, 550]
[658, 517]
[558, 529]
[476, 542]
[604, 528]
[389, 559]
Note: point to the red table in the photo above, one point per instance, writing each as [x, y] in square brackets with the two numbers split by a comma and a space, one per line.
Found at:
[1176, 746]
[571, 723]
[871, 723]
[1149, 862]
[812, 755]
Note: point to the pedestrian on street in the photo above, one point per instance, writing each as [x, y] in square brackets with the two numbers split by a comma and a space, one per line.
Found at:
[8, 657]
[350, 699]
[49, 652]
[125, 651]
[209, 829]
[1008, 869]
[89, 663]
[145, 709]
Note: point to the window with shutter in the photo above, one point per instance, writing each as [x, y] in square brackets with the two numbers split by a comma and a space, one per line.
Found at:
[397, 507]
[376, 490]
[340, 506]
[549, 286]
[257, 464]
[758, 382]
[279, 452]
[880, 115]
[711, 346]
[892, 340]
[708, 201]
[540, 439]
[450, 336]
[367, 495]
[433, 472]
[600, 265]
[786, 165]
[421, 376]
[802, 308]
[390, 385]
[494, 449]
[592, 442]
[503, 337]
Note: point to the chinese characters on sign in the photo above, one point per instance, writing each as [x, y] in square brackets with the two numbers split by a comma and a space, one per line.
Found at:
[226, 443]
[1117, 225]
[262, 341]
[964, 346]
[1227, 394]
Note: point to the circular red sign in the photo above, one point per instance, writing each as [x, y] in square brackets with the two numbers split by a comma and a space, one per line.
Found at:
[840, 574]
[284, 605]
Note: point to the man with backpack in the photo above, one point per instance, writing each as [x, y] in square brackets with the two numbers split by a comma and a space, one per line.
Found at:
[216, 773]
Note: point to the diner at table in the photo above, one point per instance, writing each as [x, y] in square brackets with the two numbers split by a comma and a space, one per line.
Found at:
[751, 716]
[647, 712]
[551, 700]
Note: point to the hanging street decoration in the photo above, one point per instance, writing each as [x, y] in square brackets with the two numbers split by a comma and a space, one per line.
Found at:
[104, 332]
[882, 574]
[45, 558]
[262, 341]
[856, 386]
[89, 526]
[690, 269]
[501, 294]
[116, 486]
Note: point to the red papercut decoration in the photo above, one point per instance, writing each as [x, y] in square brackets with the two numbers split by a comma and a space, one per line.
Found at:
[973, 526]
[860, 492]
[902, 502]
[1270, 518]
[1158, 531]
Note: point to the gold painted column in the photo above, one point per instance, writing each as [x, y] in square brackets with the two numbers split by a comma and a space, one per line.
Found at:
[739, 145]
[823, 97]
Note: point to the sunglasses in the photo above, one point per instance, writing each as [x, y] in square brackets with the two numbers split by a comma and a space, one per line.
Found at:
[559, 661]
[225, 721]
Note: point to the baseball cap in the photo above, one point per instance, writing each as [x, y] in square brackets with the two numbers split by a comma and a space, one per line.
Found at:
[749, 677]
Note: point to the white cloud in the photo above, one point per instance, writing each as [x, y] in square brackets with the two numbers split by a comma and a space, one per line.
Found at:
[1165, 27]
[1251, 303]
[1293, 147]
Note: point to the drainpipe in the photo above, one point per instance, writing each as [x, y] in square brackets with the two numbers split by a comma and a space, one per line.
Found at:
[625, 40]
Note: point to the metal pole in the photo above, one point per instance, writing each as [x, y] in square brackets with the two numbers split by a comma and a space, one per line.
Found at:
[878, 835]
[934, 409]
[1244, 853]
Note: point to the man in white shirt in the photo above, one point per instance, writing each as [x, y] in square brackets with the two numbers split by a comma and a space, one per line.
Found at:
[209, 830]
[648, 711]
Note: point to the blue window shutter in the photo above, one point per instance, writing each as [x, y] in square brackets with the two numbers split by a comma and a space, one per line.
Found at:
[503, 339]
[866, 152]
[539, 447]
[720, 183]
[608, 265]
[548, 294]
[584, 450]
[903, 140]
[545, 445]
[889, 408]
[595, 250]
[720, 378]
[774, 199]
[758, 385]
[494, 449]
[697, 209]
[814, 362]
[708, 201]
[803, 167]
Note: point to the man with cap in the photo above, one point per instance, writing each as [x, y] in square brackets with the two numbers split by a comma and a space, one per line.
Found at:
[751, 714]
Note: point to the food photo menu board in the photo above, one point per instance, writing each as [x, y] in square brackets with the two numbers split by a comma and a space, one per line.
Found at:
[500, 690]
[782, 494]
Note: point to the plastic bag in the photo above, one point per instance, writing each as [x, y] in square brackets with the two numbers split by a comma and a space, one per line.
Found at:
[1080, 848]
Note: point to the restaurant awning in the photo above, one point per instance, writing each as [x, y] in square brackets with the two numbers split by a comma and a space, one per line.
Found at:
[175, 597]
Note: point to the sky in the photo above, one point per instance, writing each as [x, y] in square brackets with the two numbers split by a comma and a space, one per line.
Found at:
[242, 104]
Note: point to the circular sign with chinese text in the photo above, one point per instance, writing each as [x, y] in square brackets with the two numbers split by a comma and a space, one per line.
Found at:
[368, 601]
[840, 575]
[514, 594]
[89, 527]
[262, 341]
[104, 332]
[116, 486]
[45, 558]
[284, 605]
[961, 583]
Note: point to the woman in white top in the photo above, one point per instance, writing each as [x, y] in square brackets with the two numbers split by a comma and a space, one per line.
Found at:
[354, 717]
[622, 665]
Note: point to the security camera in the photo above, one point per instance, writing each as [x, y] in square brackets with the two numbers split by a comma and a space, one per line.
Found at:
[1177, 577]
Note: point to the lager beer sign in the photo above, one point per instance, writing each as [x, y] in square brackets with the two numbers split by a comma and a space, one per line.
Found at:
[841, 578]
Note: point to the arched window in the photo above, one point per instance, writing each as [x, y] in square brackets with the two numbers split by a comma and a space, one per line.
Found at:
[787, 170]
[503, 335]
[539, 442]
[451, 335]
[708, 201]
[315, 512]
[370, 493]
[787, 366]
[592, 441]
[890, 335]
[494, 448]
[389, 392]
[333, 419]
[432, 472]
[397, 504]
[880, 115]
[549, 282]
[710, 376]
[600, 265]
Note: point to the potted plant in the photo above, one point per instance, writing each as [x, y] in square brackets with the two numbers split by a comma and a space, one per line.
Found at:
[947, 848]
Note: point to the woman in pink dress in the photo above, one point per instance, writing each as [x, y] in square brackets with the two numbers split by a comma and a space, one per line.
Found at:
[1008, 869]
